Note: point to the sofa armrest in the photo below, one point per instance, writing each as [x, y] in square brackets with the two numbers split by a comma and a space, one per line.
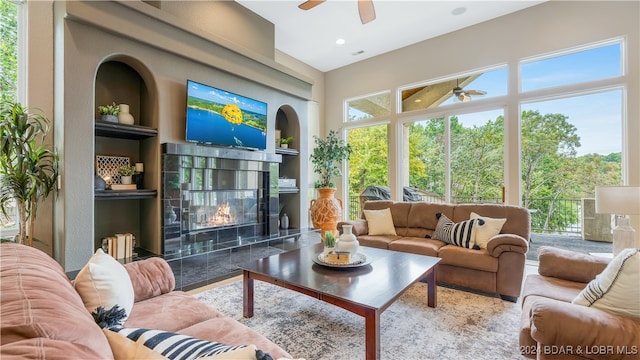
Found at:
[360, 226]
[569, 265]
[507, 242]
[150, 277]
[555, 322]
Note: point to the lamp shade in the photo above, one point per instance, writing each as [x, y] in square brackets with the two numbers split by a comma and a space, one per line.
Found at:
[619, 200]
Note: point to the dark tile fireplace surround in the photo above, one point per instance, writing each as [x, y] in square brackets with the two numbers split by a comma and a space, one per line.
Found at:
[221, 209]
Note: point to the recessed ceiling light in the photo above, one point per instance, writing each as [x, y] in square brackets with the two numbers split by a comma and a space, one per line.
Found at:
[417, 100]
[459, 10]
[340, 41]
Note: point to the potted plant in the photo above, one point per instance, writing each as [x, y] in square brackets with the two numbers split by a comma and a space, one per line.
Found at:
[28, 168]
[109, 112]
[126, 172]
[326, 157]
[284, 142]
[329, 242]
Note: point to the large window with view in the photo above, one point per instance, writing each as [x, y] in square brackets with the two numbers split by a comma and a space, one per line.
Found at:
[571, 140]
[8, 88]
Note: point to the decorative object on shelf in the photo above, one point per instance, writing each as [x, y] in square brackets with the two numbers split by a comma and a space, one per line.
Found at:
[124, 117]
[28, 167]
[620, 201]
[327, 156]
[169, 214]
[99, 183]
[109, 113]
[284, 142]
[107, 168]
[284, 222]
[326, 211]
[329, 243]
[347, 241]
[139, 175]
[126, 172]
[278, 136]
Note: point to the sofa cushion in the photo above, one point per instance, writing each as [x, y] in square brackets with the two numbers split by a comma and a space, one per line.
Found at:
[377, 241]
[41, 312]
[380, 222]
[468, 258]
[417, 245]
[550, 287]
[616, 289]
[485, 231]
[569, 265]
[103, 281]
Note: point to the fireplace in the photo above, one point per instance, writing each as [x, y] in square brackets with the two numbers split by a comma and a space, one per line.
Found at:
[216, 199]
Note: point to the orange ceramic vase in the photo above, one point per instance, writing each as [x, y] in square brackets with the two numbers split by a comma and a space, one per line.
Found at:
[326, 211]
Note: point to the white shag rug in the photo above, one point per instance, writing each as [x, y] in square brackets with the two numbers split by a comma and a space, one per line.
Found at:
[464, 325]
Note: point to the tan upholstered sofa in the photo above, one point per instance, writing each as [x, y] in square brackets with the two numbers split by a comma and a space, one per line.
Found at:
[552, 327]
[43, 317]
[497, 269]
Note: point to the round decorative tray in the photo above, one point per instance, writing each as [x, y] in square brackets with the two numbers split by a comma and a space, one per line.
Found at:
[357, 260]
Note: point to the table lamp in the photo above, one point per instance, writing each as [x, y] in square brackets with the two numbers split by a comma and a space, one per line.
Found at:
[620, 201]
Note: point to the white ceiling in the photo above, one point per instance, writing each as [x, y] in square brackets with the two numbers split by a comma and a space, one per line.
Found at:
[310, 36]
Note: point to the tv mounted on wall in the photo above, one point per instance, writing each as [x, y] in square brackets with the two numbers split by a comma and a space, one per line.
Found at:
[219, 117]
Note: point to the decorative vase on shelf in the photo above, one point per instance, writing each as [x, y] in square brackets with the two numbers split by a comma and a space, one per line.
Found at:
[109, 118]
[284, 146]
[124, 117]
[284, 222]
[347, 241]
[126, 180]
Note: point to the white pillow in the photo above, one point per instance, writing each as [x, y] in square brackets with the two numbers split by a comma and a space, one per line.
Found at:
[616, 289]
[104, 282]
[490, 228]
[380, 222]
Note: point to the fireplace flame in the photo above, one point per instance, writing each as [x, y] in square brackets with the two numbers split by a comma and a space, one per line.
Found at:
[223, 215]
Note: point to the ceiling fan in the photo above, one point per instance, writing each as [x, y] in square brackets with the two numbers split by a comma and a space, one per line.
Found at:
[465, 95]
[365, 8]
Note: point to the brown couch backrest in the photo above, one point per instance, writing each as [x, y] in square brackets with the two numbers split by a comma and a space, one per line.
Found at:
[419, 218]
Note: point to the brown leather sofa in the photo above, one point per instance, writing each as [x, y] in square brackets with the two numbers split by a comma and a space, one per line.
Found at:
[553, 328]
[497, 269]
[43, 317]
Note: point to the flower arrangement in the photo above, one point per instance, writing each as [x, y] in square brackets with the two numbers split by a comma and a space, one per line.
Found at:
[112, 109]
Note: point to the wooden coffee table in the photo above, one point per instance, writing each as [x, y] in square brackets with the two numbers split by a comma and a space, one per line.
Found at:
[366, 291]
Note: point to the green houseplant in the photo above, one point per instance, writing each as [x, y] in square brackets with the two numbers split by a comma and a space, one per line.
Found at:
[109, 112]
[28, 168]
[326, 211]
[284, 142]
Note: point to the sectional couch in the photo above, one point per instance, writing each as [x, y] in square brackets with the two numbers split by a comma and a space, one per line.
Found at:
[42, 316]
[498, 269]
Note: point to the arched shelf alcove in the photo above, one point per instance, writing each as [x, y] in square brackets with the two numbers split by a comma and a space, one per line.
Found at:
[288, 122]
[122, 79]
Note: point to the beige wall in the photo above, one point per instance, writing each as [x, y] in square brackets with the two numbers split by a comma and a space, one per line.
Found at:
[541, 29]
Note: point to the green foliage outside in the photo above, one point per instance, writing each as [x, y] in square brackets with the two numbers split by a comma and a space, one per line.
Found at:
[8, 51]
[551, 170]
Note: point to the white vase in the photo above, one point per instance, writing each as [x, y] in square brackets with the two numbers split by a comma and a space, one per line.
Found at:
[347, 241]
[327, 250]
[126, 180]
[124, 117]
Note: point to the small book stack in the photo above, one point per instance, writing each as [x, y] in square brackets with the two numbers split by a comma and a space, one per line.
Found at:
[120, 246]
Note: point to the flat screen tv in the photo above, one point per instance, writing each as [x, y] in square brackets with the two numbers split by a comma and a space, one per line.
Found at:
[219, 117]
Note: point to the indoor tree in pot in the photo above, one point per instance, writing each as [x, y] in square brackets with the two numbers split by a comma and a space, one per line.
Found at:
[327, 156]
[28, 168]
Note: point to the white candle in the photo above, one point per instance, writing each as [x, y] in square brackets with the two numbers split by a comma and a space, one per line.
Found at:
[139, 167]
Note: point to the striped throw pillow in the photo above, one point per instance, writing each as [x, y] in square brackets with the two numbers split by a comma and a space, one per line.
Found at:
[459, 234]
[181, 347]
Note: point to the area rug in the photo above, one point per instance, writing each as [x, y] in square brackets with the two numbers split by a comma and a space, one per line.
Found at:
[464, 325]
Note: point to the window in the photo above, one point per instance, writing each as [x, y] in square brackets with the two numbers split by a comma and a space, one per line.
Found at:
[369, 107]
[8, 83]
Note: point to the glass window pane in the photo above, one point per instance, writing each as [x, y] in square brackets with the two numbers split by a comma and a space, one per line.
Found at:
[367, 164]
[478, 86]
[426, 151]
[369, 107]
[477, 157]
[569, 146]
[587, 65]
[9, 50]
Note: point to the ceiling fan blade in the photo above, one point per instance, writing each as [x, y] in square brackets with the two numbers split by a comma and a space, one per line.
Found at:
[366, 10]
[476, 92]
[310, 4]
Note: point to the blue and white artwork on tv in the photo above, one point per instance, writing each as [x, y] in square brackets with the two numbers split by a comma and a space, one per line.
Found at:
[223, 118]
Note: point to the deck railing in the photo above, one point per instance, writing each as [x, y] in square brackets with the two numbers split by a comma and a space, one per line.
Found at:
[548, 215]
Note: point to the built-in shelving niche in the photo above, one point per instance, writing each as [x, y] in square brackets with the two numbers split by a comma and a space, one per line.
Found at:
[126, 80]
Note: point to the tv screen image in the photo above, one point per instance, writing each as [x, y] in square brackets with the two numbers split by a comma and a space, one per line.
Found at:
[219, 117]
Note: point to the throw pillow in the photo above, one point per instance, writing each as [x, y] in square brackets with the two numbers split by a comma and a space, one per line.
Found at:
[459, 234]
[124, 348]
[616, 288]
[380, 222]
[103, 281]
[486, 231]
[182, 347]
